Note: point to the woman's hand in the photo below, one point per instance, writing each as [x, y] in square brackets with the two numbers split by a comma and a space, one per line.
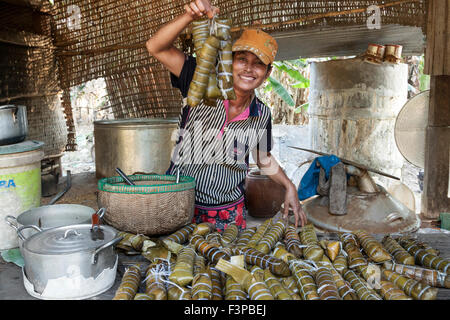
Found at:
[198, 8]
[291, 201]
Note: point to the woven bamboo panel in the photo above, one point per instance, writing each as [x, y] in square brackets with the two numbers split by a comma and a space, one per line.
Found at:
[29, 72]
[46, 122]
[106, 38]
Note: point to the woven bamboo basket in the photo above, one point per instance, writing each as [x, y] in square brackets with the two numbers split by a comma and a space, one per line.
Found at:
[156, 205]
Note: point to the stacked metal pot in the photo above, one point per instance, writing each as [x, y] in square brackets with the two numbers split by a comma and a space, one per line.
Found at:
[65, 260]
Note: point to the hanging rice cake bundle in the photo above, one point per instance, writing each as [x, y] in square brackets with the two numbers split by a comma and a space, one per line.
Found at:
[431, 277]
[200, 32]
[129, 284]
[223, 28]
[413, 288]
[225, 71]
[206, 61]
[312, 249]
[212, 90]
[372, 247]
[397, 251]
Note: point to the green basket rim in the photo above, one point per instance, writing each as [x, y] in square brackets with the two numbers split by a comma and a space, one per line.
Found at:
[109, 184]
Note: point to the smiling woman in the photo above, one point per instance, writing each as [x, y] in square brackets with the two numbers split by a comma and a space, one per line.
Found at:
[219, 162]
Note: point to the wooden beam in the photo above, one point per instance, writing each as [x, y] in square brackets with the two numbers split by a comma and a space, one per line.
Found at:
[437, 60]
[435, 198]
[346, 41]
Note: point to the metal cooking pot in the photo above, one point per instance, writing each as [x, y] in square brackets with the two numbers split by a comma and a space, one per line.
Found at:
[69, 262]
[13, 124]
[51, 216]
[134, 145]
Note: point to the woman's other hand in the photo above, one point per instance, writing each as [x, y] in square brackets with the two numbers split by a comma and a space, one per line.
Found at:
[292, 202]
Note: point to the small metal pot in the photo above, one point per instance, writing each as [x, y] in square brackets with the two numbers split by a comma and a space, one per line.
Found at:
[13, 124]
[69, 262]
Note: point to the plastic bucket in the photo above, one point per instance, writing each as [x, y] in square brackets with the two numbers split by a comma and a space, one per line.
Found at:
[20, 185]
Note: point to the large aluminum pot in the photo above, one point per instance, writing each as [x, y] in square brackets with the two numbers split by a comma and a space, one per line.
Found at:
[69, 262]
[13, 124]
[134, 145]
[51, 216]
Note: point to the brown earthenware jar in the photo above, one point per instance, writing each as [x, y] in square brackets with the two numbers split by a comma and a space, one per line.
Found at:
[263, 197]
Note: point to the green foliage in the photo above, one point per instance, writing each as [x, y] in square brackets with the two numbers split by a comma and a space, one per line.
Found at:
[303, 106]
[281, 91]
[424, 80]
[291, 68]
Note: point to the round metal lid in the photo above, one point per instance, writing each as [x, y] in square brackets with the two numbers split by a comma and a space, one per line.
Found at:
[67, 239]
[410, 128]
[29, 145]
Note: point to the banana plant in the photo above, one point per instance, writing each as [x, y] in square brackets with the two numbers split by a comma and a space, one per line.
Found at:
[290, 67]
[424, 80]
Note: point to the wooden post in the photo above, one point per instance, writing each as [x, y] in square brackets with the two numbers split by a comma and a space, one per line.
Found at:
[437, 64]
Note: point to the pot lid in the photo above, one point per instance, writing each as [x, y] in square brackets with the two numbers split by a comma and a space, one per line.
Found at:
[410, 128]
[377, 213]
[67, 239]
[29, 145]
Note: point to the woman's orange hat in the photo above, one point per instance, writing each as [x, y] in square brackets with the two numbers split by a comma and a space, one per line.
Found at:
[259, 43]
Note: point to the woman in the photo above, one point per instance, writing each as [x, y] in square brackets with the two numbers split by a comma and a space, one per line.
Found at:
[214, 143]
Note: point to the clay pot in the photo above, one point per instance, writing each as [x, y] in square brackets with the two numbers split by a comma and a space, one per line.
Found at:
[263, 197]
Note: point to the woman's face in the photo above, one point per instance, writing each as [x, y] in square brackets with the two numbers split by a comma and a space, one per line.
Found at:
[249, 72]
